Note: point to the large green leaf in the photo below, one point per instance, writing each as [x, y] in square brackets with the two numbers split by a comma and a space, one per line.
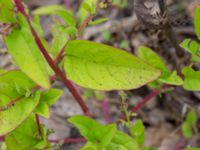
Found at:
[7, 11]
[192, 79]
[21, 45]
[11, 118]
[102, 67]
[15, 83]
[197, 21]
[26, 136]
[57, 10]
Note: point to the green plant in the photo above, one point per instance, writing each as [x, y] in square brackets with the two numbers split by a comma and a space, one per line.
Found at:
[189, 124]
[26, 94]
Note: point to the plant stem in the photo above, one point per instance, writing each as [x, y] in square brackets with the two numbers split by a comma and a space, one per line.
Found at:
[69, 140]
[38, 124]
[87, 21]
[145, 100]
[51, 63]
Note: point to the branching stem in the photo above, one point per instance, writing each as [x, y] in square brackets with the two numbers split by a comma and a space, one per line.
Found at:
[51, 62]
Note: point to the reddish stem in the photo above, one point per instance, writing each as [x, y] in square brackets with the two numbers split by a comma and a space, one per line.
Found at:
[106, 112]
[145, 100]
[68, 140]
[52, 64]
[2, 138]
[38, 124]
[60, 56]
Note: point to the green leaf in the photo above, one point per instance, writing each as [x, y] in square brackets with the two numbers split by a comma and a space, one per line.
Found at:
[98, 21]
[56, 10]
[192, 79]
[21, 45]
[51, 96]
[137, 131]
[89, 146]
[122, 141]
[7, 11]
[102, 67]
[149, 56]
[192, 47]
[192, 117]
[11, 118]
[197, 21]
[171, 78]
[26, 136]
[186, 129]
[93, 131]
[87, 7]
[84, 124]
[102, 135]
[14, 84]
[47, 99]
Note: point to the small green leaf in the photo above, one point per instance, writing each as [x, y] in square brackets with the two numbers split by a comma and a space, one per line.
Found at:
[192, 117]
[11, 118]
[186, 129]
[57, 10]
[197, 21]
[192, 79]
[51, 96]
[102, 67]
[191, 46]
[26, 136]
[98, 21]
[137, 131]
[122, 141]
[47, 99]
[84, 124]
[87, 7]
[124, 44]
[171, 78]
[21, 45]
[7, 11]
